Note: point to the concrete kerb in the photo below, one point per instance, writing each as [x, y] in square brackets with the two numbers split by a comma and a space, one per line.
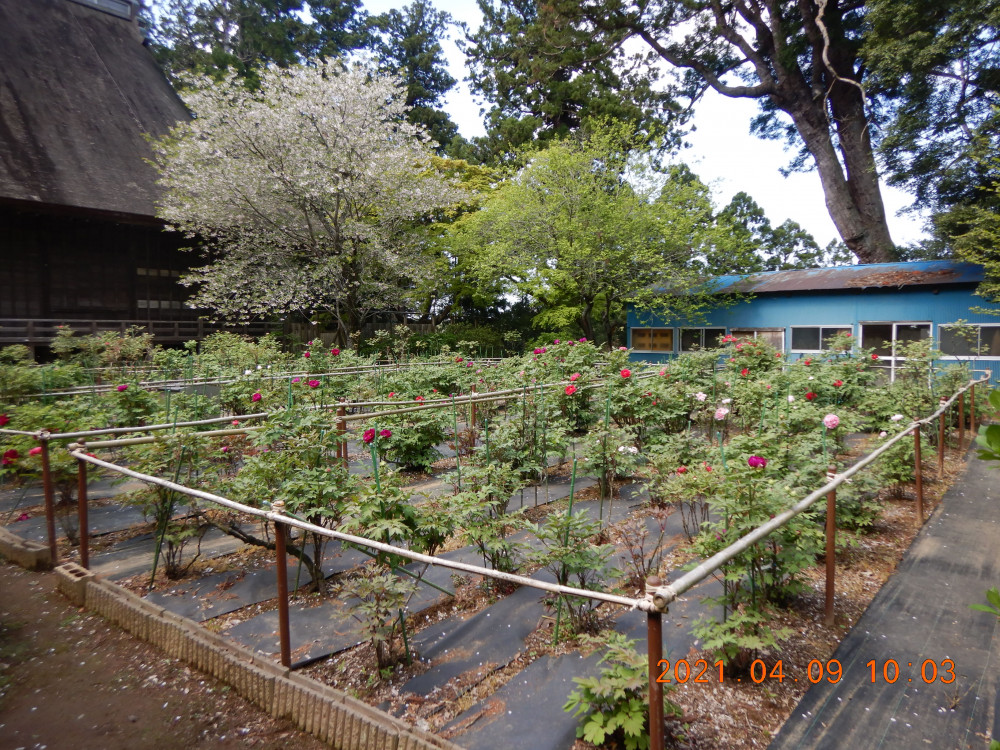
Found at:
[24, 552]
[328, 714]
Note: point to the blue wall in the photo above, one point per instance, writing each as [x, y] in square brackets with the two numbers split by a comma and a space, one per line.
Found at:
[936, 305]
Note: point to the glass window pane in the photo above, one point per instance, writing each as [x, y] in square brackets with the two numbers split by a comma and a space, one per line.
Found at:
[908, 332]
[690, 339]
[874, 336]
[712, 336]
[663, 340]
[829, 333]
[641, 338]
[805, 338]
[989, 341]
[958, 341]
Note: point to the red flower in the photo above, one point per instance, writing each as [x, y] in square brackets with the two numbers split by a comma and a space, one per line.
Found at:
[458, 359]
[419, 398]
[335, 351]
[123, 387]
[570, 390]
[385, 433]
[369, 436]
[574, 377]
[745, 371]
[307, 355]
[4, 419]
[11, 455]
[810, 396]
[682, 469]
[808, 362]
[837, 383]
[626, 373]
[256, 397]
[707, 467]
[874, 356]
[313, 384]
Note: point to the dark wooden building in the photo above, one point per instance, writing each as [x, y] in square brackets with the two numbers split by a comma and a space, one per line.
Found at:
[79, 240]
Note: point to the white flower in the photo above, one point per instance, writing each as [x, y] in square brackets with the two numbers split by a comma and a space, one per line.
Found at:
[727, 401]
[247, 372]
[896, 417]
[258, 367]
[883, 434]
[721, 413]
[627, 449]
[701, 396]
[791, 399]
[811, 377]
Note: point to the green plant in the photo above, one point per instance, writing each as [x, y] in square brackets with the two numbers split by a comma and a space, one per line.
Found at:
[380, 595]
[615, 704]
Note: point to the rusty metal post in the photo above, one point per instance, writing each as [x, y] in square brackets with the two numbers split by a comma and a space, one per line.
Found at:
[831, 545]
[972, 412]
[961, 421]
[918, 475]
[81, 499]
[280, 530]
[654, 647]
[940, 456]
[342, 431]
[50, 504]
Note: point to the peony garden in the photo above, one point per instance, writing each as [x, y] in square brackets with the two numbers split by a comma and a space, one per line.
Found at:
[426, 531]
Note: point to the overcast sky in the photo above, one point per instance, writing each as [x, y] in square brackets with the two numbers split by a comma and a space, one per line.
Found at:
[722, 152]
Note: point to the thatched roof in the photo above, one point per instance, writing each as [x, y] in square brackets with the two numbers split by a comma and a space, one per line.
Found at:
[78, 91]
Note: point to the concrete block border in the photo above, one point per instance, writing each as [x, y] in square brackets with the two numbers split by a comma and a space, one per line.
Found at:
[23, 552]
[331, 715]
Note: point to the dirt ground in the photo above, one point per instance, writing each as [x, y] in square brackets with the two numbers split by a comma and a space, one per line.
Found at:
[70, 680]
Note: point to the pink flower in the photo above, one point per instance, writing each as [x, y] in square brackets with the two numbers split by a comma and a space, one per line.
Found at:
[296, 380]
[225, 449]
[307, 355]
[583, 340]
[883, 434]
[756, 462]
[35, 451]
[810, 396]
[556, 341]
[369, 436]
[385, 433]
[574, 377]
[123, 387]
[537, 351]
[570, 390]
[458, 359]
[313, 384]
[721, 413]
[391, 394]
[623, 348]
[544, 350]
[256, 397]
[663, 372]
[831, 421]
[236, 423]
[837, 383]
[335, 351]
[626, 373]
[4, 419]
[701, 396]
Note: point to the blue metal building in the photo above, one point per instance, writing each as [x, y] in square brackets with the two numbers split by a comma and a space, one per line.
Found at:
[881, 305]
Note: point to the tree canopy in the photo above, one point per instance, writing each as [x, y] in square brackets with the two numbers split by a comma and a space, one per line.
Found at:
[303, 193]
[800, 60]
[587, 226]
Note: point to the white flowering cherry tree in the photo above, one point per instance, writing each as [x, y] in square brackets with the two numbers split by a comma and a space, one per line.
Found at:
[303, 195]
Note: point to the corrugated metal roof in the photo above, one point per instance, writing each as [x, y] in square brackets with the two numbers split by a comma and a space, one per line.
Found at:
[872, 276]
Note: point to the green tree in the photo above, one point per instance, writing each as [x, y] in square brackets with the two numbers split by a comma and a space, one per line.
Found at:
[408, 44]
[214, 36]
[800, 62]
[587, 227]
[544, 77]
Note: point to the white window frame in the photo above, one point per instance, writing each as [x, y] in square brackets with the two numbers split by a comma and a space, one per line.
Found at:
[891, 358]
[965, 357]
[737, 332]
[791, 334]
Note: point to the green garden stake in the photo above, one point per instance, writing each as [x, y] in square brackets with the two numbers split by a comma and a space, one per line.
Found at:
[168, 404]
[289, 393]
[722, 451]
[763, 406]
[486, 438]
[406, 643]
[458, 458]
[569, 514]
